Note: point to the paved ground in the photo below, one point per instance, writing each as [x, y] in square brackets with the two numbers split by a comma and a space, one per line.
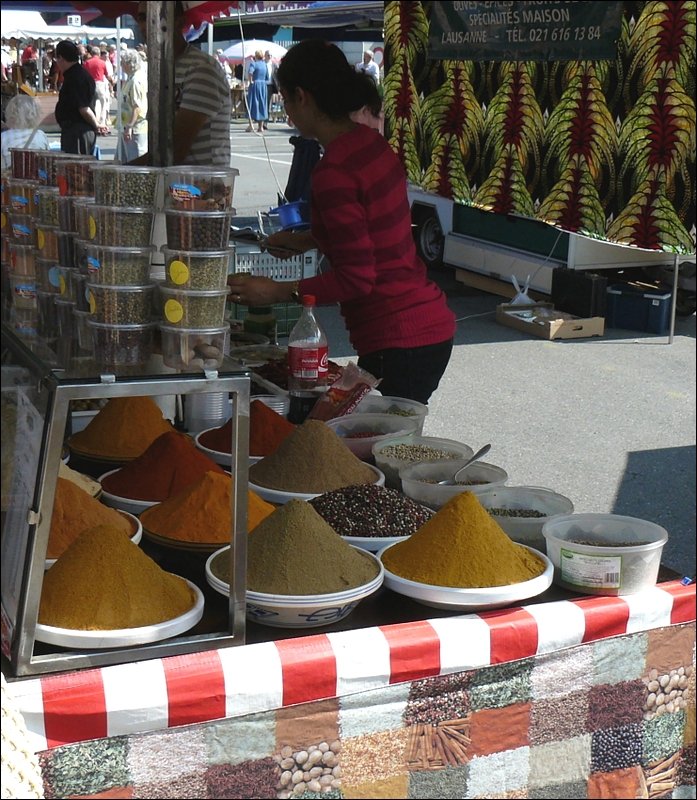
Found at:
[609, 422]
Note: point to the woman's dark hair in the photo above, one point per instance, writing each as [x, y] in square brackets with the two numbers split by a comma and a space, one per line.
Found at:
[321, 69]
[68, 51]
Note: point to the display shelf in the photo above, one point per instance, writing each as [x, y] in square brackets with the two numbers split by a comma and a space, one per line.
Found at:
[38, 386]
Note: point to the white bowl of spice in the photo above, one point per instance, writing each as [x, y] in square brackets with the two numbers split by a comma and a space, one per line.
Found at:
[300, 572]
[279, 497]
[370, 516]
[394, 453]
[522, 511]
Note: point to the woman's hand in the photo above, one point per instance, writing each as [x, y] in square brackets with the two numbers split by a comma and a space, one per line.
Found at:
[254, 290]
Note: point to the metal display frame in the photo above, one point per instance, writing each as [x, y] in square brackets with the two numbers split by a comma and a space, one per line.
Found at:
[78, 382]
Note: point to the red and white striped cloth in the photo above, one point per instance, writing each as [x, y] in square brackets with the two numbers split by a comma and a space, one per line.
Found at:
[234, 681]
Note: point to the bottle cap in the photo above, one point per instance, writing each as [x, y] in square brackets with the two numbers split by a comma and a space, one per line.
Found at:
[309, 300]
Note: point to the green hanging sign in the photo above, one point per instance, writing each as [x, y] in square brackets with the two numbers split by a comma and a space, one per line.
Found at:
[524, 31]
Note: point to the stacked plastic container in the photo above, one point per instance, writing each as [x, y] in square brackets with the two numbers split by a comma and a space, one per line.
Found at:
[197, 256]
[114, 234]
[64, 178]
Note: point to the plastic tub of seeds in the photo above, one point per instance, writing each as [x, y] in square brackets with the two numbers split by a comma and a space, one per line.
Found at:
[23, 196]
[25, 163]
[116, 266]
[24, 321]
[604, 554]
[22, 259]
[80, 290]
[190, 309]
[359, 432]
[68, 212]
[201, 270]
[66, 318]
[22, 228]
[47, 164]
[67, 283]
[47, 241]
[124, 185]
[396, 452]
[194, 349]
[522, 511]
[420, 480]
[48, 274]
[47, 205]
[84, 333]
[191, 188]
[74, 177]
[114, 226]
[66, 248]
[400, 406]
[197, 230]
[122, 345]
[48, 318]
[121, 305]
[5, 222]
[23, 290]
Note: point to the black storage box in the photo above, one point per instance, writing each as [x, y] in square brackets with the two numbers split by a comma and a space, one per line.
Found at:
[582, 294]
[637, 307]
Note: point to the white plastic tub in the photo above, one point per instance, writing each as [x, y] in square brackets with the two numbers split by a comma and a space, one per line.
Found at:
[419, 481]
[415, 449]
[604, 554]
[399, 406]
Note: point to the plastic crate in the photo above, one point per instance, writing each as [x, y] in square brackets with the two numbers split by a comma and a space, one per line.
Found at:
[638, 308]
[287, 314]
[295, 268]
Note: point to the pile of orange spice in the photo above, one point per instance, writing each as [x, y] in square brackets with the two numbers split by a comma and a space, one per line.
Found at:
[75, 510]
[202, 512]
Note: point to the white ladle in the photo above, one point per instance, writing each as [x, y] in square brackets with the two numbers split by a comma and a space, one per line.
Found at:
[453, 481]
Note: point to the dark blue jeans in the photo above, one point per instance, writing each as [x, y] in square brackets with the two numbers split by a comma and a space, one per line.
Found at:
[411, 372]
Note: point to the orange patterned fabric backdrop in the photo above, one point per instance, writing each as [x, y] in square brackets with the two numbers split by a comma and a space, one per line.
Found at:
[602, 148]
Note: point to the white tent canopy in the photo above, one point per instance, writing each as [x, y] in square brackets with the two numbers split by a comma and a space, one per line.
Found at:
[31, 25]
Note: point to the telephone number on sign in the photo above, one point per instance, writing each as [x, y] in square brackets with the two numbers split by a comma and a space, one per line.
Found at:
[564, 34]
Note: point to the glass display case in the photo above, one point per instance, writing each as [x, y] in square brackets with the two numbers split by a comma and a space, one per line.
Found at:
[39, 383]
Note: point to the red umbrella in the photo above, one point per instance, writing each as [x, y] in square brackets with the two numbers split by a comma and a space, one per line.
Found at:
[196, 12]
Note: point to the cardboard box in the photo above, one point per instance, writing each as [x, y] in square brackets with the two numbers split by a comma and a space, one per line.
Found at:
[541, 319]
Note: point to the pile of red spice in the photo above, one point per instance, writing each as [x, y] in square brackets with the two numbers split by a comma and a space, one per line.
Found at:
[267, 429]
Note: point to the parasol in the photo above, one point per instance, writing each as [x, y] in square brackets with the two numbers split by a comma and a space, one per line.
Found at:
[242, 50]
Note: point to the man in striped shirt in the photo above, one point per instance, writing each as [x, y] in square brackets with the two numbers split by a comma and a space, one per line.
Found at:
[202, 101]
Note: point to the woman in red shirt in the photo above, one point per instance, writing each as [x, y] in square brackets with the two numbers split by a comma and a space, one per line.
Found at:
[398, 320]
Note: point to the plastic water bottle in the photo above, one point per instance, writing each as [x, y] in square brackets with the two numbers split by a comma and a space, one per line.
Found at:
[307, 362]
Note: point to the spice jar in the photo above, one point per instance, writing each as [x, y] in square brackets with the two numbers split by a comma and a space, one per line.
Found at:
[261, 319]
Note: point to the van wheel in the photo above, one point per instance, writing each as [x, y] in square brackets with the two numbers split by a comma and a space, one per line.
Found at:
[428, 237]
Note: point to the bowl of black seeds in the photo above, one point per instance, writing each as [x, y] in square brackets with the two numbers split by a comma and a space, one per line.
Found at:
[122, 345]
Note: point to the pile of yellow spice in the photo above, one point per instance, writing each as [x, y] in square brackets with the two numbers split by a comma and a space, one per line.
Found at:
[462, 547]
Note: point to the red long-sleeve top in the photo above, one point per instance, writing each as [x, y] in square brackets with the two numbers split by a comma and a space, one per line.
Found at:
[361, 221]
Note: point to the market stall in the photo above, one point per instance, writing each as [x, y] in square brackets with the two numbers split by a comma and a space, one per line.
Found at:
[553, 695]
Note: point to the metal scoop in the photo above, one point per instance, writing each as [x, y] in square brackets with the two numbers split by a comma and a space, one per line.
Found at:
[453, 481]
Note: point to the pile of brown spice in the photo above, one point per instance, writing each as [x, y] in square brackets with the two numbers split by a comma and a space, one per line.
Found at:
[123, 429]
[311, 460]
[294, 551]
[104, 581]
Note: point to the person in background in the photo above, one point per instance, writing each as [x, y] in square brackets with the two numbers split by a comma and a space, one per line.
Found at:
[270, 86]
[257, 102]
[22, 115]
[96, 67]
[134, 108]
[227, 69]
[76, 102]
[398, 320]
[30, 64]
[368, 66]
[110, 71]
[7, 62]
[112, 56]
[202, 100]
